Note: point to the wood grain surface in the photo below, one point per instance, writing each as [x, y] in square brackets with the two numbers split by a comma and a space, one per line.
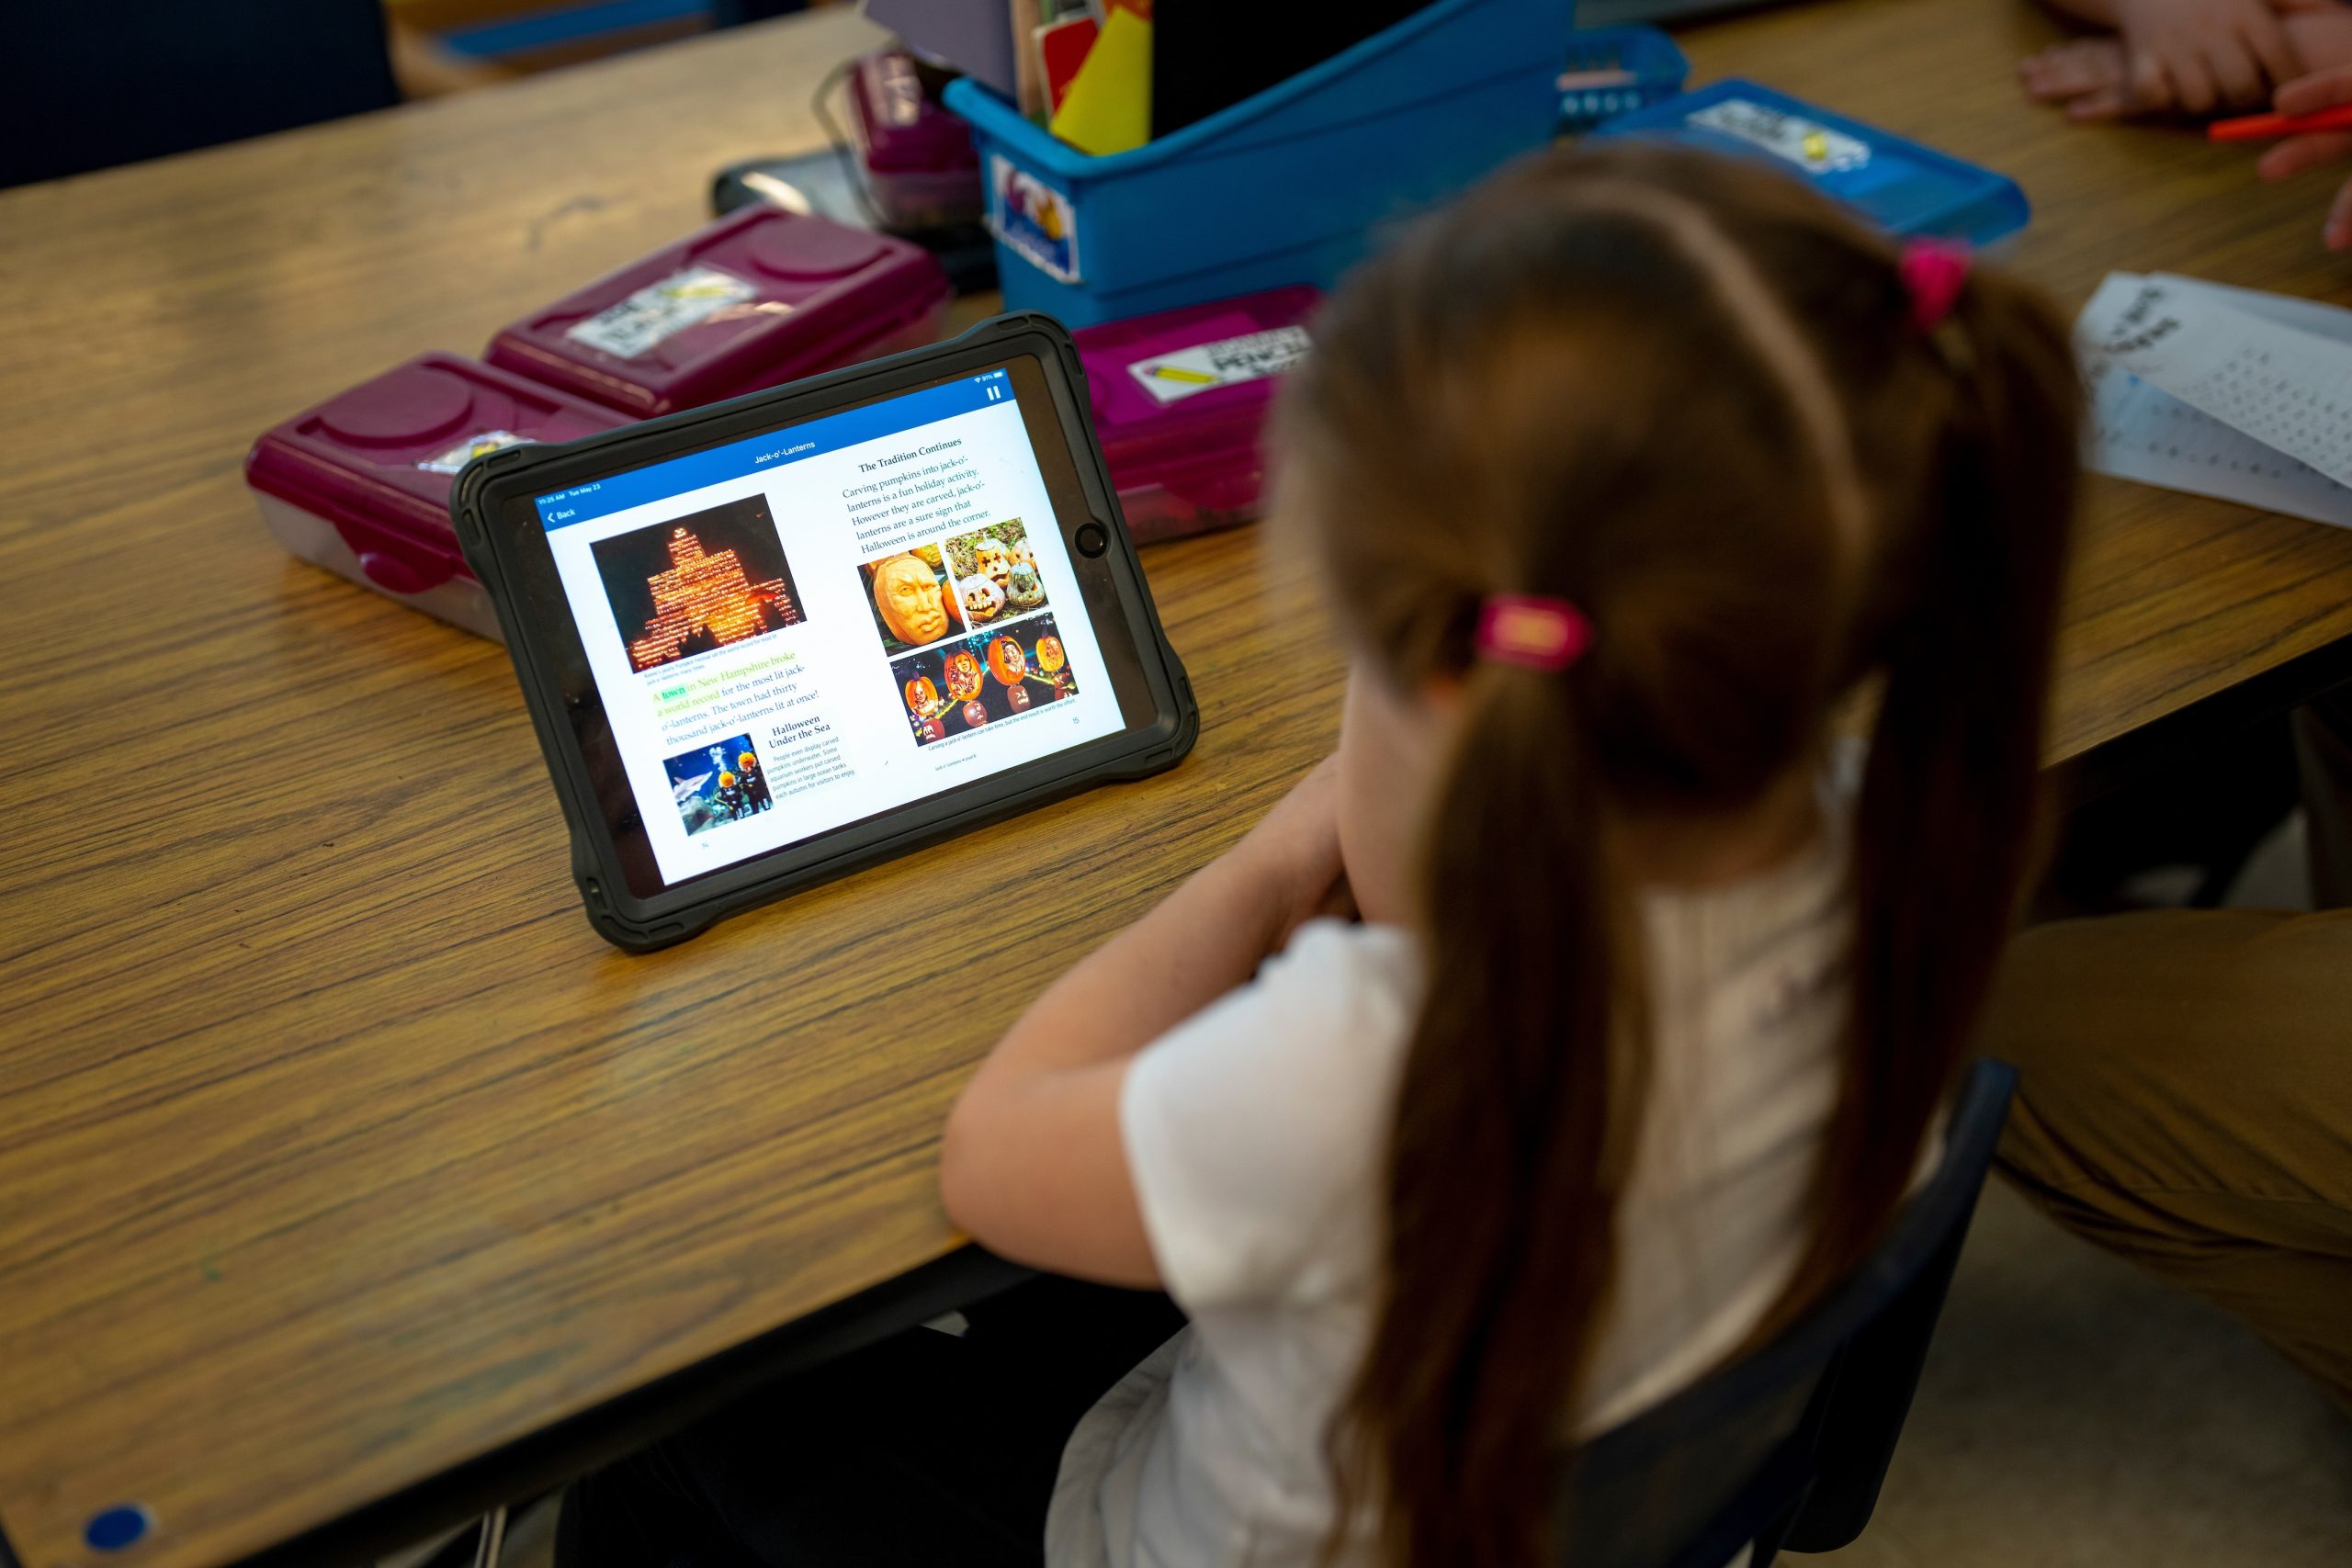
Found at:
[2176, 598]
[336, 1149]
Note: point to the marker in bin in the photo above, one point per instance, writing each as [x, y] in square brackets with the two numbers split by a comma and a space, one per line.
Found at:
[1216, 209]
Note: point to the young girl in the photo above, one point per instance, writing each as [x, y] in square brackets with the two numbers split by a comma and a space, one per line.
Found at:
[1626, 478]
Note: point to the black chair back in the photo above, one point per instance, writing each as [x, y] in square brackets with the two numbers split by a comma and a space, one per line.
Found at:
[1786, 1448]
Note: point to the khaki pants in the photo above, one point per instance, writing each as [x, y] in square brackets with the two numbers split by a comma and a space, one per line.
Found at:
[2184, 1092]
[2185, 1099]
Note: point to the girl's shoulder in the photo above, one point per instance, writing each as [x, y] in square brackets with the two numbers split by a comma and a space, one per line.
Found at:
[1337, 987]
[1254, 1130]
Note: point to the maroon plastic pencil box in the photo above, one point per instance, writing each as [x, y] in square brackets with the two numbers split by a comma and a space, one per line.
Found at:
[920, 167]
[1179, 402]
[758, 298]
[361, 484]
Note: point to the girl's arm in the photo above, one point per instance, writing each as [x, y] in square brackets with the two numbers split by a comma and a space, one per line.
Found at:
[1033, 1165]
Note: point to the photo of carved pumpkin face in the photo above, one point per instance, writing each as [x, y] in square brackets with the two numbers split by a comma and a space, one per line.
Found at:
[963, 672]
[923, 697]
[982, 600]
[906, 596]
[1050, 657]
[1006, 661]
[1016, 697]
[1022, 588]
[992, 560]
[974, 715]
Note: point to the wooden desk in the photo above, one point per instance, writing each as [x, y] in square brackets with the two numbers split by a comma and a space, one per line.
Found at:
[2186, 615]
[339, 1157]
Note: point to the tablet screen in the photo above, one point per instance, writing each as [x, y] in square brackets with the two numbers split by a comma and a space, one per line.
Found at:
[829, 622]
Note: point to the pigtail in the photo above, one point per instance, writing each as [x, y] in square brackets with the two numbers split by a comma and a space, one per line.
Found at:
[1695, 401]
[1944, 833]
[1504, 1132]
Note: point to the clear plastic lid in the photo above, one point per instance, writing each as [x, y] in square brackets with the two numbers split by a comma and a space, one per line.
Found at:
[760, 298]
[1179, 397]
[378, 461]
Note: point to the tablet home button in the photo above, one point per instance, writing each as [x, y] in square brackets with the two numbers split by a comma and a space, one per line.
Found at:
[1091, 539]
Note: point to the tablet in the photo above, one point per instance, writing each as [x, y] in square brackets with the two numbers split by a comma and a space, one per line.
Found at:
[766, 642]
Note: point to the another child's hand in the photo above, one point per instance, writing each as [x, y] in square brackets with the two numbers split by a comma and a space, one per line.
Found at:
[1292, 857]
[2090, 77]
[2203, 55]
[2188, 56]
[2309, 95]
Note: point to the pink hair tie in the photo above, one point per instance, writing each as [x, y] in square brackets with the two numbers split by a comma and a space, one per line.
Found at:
[1933, 271]
[1533, 632]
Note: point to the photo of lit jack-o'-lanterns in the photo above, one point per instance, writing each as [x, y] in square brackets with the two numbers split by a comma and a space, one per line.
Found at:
[984, 678]
[697, 582]
[912, 599]
[994, 574]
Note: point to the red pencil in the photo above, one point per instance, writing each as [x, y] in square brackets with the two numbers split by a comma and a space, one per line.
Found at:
[2264, 127]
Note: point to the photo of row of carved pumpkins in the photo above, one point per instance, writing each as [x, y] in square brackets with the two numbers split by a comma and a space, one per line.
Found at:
[988, 677]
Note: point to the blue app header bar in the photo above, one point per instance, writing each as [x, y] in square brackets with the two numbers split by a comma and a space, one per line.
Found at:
[657, 481]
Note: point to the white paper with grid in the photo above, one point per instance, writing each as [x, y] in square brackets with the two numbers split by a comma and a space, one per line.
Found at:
[2222, 391]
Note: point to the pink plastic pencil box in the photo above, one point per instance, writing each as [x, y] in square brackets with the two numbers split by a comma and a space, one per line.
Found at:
[758, 298]
[1179, 401]
[361, 484]
[920, 164]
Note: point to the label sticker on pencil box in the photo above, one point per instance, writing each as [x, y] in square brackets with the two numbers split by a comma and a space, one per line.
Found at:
[1034, 220]
[1171, 377]
[658, 311]
[1813, 147]
[473, 446]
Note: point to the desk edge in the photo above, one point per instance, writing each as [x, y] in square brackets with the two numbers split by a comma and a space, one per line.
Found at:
[545, 1458]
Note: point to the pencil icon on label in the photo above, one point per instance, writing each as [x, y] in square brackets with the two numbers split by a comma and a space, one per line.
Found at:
[1176, 373]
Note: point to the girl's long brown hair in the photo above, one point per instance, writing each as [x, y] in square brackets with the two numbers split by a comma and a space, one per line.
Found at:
[1687, 395]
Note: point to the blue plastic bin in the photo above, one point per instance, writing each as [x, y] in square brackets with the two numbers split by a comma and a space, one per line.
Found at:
[1287, 187]
[1650, 58]
[1893, 181]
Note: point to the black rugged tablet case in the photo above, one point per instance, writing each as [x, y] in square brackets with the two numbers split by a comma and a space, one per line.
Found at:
[488, 482]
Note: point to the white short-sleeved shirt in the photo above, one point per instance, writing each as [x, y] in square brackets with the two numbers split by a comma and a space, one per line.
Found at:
[1257, 1134]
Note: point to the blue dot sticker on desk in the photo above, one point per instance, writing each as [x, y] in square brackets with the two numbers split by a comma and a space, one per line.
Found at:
[111, 1530]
